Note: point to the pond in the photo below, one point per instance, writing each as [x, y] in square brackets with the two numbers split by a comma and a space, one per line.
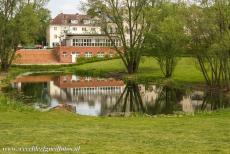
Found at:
[107, 96]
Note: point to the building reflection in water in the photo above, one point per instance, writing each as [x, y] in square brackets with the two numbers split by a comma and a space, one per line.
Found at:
[84, 95]
[100, 96]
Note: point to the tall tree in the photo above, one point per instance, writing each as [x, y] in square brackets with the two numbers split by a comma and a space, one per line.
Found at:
[127, 19]
[44, 21]
[209, 29]
[167, 38]
[19, 24]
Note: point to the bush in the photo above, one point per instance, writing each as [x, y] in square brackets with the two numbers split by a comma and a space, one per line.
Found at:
[7, 104]
[107, 57]
[81, 60]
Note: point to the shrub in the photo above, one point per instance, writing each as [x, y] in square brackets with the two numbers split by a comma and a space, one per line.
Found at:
[7, 104]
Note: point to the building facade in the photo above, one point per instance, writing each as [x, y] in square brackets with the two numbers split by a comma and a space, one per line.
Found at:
[61, 55]
[70, 24]
[71, 54]
[69, 37]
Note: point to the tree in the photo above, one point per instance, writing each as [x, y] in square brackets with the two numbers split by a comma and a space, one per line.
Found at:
[125, 20]
[167, 38]
[209, 31]
[44, 21]
[214, 99]
[19, 24]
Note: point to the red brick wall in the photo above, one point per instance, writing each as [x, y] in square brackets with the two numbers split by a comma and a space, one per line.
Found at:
[81, 51]
[45, 56]
[35, 56]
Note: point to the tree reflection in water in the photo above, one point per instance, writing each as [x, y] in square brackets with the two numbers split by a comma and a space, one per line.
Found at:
[215, 99]
[167, 101]
[38, 91]
[130, 100]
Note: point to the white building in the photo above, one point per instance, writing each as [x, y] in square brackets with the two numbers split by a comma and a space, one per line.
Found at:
[91, 40]
[70, 24]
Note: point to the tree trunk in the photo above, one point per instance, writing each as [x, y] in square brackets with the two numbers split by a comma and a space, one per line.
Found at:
[4, 67]
[132, 67]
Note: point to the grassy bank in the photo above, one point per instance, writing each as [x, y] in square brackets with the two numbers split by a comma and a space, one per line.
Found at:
[185, 72]
[204, 133]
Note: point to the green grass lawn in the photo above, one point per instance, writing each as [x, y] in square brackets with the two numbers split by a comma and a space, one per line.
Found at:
[185, 72]
[22, 126]
[205, 133]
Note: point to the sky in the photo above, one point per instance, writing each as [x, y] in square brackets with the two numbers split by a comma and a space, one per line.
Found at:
[64, 6]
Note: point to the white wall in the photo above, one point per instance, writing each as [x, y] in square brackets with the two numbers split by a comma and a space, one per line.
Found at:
[61, 29]
[51, 35]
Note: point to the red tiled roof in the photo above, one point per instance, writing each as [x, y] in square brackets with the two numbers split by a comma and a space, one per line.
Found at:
[68, 83]
[94, 82]
[61, 18]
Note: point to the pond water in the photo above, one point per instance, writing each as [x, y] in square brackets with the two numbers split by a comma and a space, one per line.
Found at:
[107, 96]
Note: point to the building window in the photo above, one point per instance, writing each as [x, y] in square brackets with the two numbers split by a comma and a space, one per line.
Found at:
[65, 79]
[108, 43]
[88, 54]
[64, 54]
[84, 42]
[95, 42]
[74, 21]
[84, 29]
[86, 22]
[74, 28]
[88, 78]
[100, 54]
[118, 43]
[75, 78]
[55, 28]
[76, 53]
[55, 37]
[75, 42]
[89, 42]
